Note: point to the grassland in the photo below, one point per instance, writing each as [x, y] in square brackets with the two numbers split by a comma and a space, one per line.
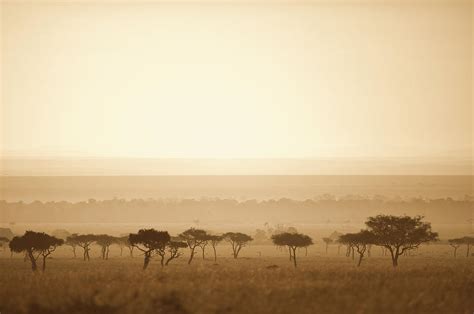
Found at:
[426, 283]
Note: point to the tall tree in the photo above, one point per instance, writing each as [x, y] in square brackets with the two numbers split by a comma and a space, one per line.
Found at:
[193, 238]
[400, 233]
[149, 241]
[35, 244]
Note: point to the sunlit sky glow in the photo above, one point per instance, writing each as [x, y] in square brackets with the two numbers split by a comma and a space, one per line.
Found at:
[237, 80]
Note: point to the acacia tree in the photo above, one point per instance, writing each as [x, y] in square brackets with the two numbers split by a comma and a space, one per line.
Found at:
[204, 242]
[455, 244]
[105, 241]
[73, 243]
[468, 241]
[237, 240]
[400, 233]
[193, 238]
[214, 241]
[327, 241]
[360, 241]
[35, 244]
[148, 241]
[84, 241]
[123, 242]
[173, 249]
[293, 241]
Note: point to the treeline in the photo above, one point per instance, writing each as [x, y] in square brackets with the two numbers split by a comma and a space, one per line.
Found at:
[396, 234]
[322, 209]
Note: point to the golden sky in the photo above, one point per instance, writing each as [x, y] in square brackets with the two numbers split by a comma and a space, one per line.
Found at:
[237, 80]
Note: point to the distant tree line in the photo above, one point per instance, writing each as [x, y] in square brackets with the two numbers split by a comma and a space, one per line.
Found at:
[323, 209]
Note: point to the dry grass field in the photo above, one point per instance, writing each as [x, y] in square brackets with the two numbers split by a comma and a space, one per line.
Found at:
[430, 282]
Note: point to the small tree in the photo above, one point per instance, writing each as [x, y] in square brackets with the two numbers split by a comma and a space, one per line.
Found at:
[214, 240]
[360, 241]
[193, 238]
[35, 244]
[455, 244]
[237, 240]
[73, 243]
[174, 250]
[468, 241]
[327, 241]
[293, 241]
[124, 242]
[105, 241]
[400, 233]
[148, 241]
[84, 241]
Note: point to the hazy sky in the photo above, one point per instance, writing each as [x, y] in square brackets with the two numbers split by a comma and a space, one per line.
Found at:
[237, 80]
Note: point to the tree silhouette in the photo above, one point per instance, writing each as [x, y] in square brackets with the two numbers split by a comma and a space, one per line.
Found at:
[72, 242]
[35, 244]
[293, 241]
[237, 240]
[123, 242]
[214, 240]
[400, 233]
[193, 238]
[360, 241]
[84, 241]
[173, 249]
[105, 241]
[327, 241]
[468, 241]
[455, 244]
[148, 241]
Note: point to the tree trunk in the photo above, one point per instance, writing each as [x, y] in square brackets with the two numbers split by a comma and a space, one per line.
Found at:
[352, 253]
[146, 260]
[360, 259]
[121, 251]
[107, 253]
[468, 249]
[327, 245]
[203, 253]
[215, 253]
[455, 249]
[191, 256]
[74, 251]
[289, 251]
[305, 251]
[34, 267]
[44, 263]
[294, 256]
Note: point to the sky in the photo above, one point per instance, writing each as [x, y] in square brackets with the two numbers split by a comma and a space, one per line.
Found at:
[352, 79]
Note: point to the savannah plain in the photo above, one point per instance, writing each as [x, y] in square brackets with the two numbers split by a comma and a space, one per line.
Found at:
[261, 280]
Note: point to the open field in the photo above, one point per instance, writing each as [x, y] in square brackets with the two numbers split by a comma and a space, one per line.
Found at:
[430, 282]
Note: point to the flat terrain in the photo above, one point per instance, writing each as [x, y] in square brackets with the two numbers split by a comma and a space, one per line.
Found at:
[426, 283]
